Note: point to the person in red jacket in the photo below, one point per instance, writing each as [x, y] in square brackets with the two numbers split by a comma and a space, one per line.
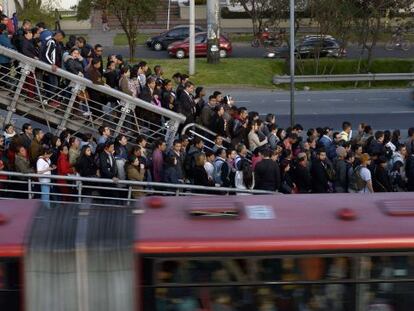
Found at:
[64, 168]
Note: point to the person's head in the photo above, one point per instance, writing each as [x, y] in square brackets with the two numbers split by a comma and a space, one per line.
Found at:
[4, 19]
[302, 159]
[218, 140]
[143, 67]
[41, 26]
[212, 101]
[198, 143]
[311, 142]
[243, 114]
[231, 154]
[104, 131]
[311, 133]
[9, 128]
[36, 32]
[341, 152]
[158, 71]
[56, 142]
[210, 156]
[28, 35]
[141, 141]
[80, 42]
[411, 132]
[134, 160]
[346, 127]
[200, 92]
[218, 95]
[184, 78]
[96, 63]
[350, 157]
[122, 140]
[270, 118]
[75, 52]
[297, 128]
[241, 150]
[281, 133]
[64, 149]
[98, 49]
[285, 166]
[21, 151]
[160, 145]
[293, 138]
[177, 145]
[402, 149]
[111, 66]
[27, 25]
[189, 87]
[177, 77]
[255, 125]
[47, 152]
[151, 83]
[59, 35]
[379, 136]
[321, 154]
[219, 110]
[38, 134]
[327, 131]
[221, 152]
[200, 159]
[365, 159]
[109, 146]
[168, 85]
[361, 127]
[74, 142]
[336, 137]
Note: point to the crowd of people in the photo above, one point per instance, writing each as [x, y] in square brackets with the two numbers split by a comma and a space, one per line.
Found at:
[248, 152]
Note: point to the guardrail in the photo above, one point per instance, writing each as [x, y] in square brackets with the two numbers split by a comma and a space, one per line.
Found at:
[370, 77]
[76, 189]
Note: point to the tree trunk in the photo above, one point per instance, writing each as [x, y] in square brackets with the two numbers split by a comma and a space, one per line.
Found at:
[132, 45]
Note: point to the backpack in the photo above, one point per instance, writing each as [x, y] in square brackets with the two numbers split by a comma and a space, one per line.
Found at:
[218, 164]
[356, 182]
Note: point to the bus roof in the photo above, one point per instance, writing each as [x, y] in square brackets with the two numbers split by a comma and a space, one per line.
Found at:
[280, 223]
[15, 220]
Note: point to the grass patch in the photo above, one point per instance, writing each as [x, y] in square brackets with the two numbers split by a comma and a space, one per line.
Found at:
[121, 39]
[240, 37]
[231, 71]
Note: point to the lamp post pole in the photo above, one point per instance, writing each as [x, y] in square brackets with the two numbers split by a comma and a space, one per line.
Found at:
[191, 58]
[292, 62]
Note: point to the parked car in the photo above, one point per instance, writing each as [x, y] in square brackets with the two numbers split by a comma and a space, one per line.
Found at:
[311, 47]
[162, 41]
[181, 49]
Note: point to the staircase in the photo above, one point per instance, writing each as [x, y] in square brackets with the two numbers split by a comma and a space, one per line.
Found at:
[24, 92]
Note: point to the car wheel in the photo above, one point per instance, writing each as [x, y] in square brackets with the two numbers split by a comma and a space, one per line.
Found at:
[157, 46]
[223, 53]
[180, 54]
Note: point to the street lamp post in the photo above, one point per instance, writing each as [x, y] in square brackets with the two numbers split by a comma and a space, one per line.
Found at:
[292, 62]
[191, 58]
[213, 31]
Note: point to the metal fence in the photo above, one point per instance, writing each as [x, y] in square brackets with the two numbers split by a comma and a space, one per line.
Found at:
[76, 189]
[29, 89]
[370, 77]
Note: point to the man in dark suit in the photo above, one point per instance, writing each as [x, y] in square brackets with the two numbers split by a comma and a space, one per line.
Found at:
[319, 173]
[108, 169]
[267, 173]
[186, 105]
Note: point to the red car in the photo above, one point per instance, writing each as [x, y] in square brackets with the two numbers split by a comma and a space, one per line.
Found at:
[180, 49]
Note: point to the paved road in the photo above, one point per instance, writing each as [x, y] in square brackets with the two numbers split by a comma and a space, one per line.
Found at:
[243, 50]
[381, 108]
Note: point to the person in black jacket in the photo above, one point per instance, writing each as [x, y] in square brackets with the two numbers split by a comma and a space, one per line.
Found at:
[74, 63]
[186, 104]
[381, 181]
[267, 173]
[19, 35]
[301, 174]
[86, 167]
[108, 168]
[168, 96]
[200, 174]
[319, 173]
[217, 123]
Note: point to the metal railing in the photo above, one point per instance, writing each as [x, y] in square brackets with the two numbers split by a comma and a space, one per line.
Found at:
[370, 77]
[76, 189]
[28, 90]
[207, 135]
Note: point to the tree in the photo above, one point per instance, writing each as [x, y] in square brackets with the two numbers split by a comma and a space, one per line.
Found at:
[130, 14]
[34, 10]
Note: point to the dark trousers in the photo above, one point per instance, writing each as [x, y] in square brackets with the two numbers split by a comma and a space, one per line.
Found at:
[4, 74]
[51, 86]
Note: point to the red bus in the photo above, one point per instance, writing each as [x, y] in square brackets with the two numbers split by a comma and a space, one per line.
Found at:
[300, 252]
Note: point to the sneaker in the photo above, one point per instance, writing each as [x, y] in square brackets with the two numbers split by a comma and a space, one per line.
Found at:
[87, 114]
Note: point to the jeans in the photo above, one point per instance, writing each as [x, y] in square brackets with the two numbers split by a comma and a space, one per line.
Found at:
[45, 196]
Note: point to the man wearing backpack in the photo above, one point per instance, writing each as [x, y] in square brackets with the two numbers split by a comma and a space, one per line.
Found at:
[221, 169]
[360, 180]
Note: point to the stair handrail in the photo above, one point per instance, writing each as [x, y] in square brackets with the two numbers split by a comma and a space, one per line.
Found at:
[87, 83]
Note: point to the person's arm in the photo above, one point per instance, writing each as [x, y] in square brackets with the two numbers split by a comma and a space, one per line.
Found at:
[369, 186]
[41, 169]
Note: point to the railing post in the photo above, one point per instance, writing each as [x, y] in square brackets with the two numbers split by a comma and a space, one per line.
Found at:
[76, 87]
[129, 195]
[172, 128]
[29, 185]
[25, 70]
[80, 191]
[125, 110]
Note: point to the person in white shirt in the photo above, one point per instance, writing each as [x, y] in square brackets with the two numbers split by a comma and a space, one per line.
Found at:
[44, 167]
[366, 174]
[209, 166]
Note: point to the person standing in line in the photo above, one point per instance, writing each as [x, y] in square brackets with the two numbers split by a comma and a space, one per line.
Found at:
[44, 167]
